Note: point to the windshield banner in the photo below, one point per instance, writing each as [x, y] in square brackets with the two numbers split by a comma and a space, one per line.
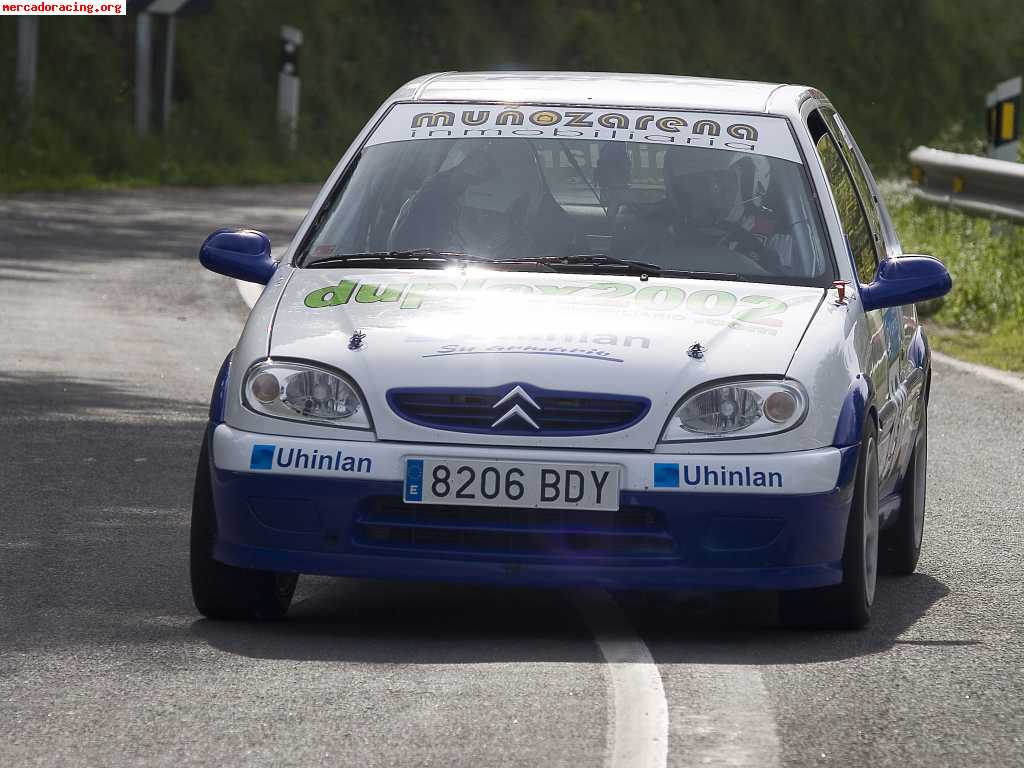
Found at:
[759, 134]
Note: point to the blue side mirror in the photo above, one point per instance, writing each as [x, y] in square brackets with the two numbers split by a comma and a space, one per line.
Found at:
[906, 280]
[240, 253]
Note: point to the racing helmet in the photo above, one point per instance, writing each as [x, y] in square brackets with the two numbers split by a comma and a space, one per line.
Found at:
[707, 186]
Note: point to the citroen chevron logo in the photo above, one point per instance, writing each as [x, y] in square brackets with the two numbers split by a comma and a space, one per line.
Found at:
[516, 393]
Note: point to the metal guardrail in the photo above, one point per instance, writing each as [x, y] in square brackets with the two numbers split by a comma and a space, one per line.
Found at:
[978, 185]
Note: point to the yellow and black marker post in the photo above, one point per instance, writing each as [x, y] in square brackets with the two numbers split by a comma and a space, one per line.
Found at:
[1003, 118]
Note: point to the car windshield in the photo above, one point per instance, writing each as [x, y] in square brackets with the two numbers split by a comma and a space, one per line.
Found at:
[688, 192]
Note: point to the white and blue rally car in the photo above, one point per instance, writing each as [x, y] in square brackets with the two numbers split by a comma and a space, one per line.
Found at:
[563, 329]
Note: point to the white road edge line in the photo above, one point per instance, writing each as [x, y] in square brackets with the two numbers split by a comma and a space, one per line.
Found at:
[992, 374]
[251, 292]
[639, 732]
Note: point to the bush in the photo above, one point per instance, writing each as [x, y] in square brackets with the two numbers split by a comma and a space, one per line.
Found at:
[985, 258]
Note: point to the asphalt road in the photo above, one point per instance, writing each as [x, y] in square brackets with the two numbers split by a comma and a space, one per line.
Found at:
[110, 336]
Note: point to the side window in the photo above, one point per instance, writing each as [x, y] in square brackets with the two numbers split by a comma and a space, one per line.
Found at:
[856, 158]
[856, 225]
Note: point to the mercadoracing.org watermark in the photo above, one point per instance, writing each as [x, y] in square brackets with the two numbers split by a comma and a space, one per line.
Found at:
[62, 9]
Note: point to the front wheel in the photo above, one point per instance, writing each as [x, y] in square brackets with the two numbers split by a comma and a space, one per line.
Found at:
[847, 605]
[223, 591]
[901, 544]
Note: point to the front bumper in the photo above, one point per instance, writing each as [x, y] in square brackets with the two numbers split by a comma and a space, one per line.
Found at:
[352, 522]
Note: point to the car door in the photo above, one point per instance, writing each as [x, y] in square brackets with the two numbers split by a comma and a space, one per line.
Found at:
[862, 227]
[909, 368]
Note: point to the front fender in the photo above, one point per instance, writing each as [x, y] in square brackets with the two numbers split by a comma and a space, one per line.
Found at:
[830, 364]
[220, 388]
[854, 411]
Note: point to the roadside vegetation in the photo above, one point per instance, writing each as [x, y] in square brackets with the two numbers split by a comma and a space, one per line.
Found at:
[904, 72]
[982, 318]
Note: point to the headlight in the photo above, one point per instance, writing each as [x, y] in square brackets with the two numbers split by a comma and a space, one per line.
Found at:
[737, 409]
[301, 392]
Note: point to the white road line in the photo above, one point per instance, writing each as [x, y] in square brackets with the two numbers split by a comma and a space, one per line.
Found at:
[639, 734]
[251, 292]
[309, 587]
[1012, 380]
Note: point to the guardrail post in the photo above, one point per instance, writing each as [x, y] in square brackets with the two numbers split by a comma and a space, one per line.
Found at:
[288, 86]
[168, 89]
[1003, 110]
[28, 59]
[143, 72]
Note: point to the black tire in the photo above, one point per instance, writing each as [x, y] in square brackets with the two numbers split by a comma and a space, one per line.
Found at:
[901, 544]
[222, 591]
[847, 605]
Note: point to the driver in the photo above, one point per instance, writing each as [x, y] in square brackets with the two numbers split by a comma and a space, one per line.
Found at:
[725, 206]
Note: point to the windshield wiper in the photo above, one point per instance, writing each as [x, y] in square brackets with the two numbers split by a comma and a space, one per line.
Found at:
[417, 257]
[433, 259]
[698, 275]
[588, 260]
[631, 266]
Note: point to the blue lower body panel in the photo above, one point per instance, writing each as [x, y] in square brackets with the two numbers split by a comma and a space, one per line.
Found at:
[657, 540]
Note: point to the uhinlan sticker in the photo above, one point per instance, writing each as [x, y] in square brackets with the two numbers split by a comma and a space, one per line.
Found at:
[673, 475]
[270, 456]
[758, 134]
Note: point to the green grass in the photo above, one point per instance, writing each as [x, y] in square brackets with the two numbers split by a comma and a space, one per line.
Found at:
[199, 175]
[982, 318]
[1000, 348]
[46, 158]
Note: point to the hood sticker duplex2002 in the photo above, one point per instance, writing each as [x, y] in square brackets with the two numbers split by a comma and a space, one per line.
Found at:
[752, 312]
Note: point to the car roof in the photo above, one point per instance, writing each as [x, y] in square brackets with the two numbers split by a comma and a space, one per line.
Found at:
[605, 89]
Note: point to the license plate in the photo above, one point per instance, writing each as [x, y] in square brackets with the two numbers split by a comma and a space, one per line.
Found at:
[471, 482]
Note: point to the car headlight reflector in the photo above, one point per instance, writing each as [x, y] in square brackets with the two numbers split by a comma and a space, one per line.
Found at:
[780, 406]
[737, 409]
[265, 387]
[303, 392]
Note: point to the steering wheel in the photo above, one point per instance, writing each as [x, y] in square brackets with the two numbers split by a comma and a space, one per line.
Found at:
[751, 245]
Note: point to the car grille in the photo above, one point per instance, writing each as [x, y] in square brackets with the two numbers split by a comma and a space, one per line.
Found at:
[558, 534]
[556, 413]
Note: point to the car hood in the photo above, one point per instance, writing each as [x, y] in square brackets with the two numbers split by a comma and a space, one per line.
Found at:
[473, 329]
